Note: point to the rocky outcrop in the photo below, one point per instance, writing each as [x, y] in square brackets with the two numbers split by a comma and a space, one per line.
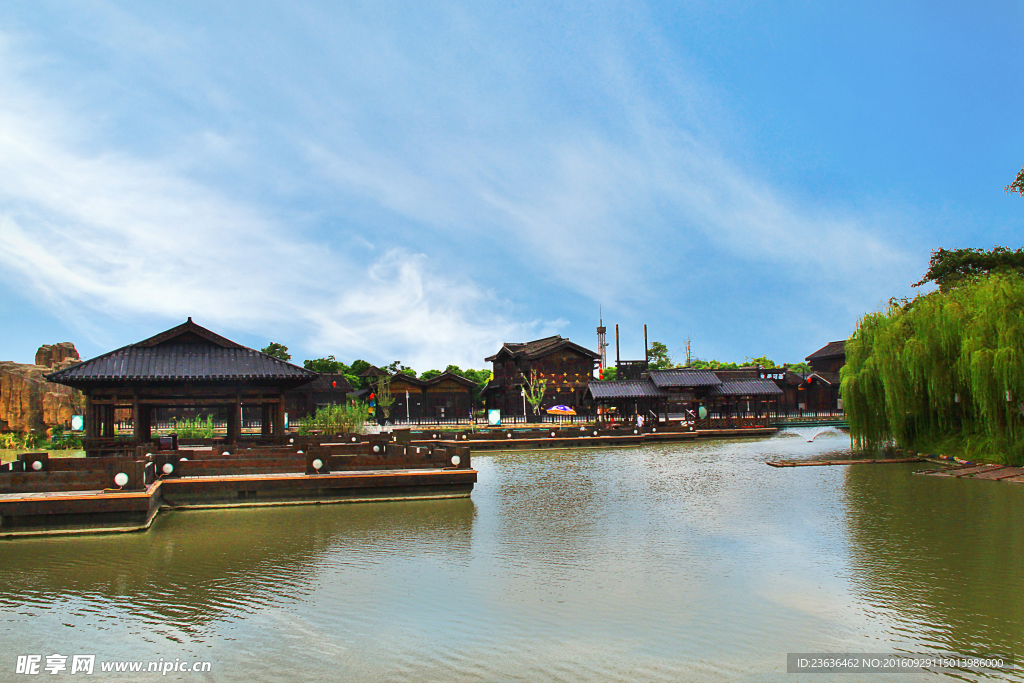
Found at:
[28, 402]
[55, 355]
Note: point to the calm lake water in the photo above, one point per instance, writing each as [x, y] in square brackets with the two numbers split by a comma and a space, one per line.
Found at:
[688, 562]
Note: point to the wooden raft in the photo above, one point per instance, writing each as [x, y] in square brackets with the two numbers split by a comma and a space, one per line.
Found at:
[990, 472]
[813, 463]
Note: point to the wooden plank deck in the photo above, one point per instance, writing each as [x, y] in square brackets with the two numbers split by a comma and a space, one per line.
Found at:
[986, 472]
[815, 463]
[48, 513]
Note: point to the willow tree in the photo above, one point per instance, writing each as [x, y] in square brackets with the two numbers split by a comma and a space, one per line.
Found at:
[944, 371]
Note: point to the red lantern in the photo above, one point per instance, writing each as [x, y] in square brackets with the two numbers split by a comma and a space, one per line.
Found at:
[372, 397]
[334, 384]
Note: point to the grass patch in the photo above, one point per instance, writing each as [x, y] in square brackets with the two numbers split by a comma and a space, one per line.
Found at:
[8, 455]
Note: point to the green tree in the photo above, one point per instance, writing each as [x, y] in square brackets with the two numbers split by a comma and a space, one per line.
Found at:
[431, 374]
[325, 365]
[534, 387]
[944, 374]
[1017, 185]
[657, 356]
[713, 365]
[950, 268]
[609, 374]
[385, 399]
[277, 351]
[396, 368]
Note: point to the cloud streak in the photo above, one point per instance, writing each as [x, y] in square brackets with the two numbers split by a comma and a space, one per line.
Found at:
[119, 236]
[385, 186]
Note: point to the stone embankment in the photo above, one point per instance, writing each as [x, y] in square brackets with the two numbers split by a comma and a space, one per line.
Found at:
[28, 402]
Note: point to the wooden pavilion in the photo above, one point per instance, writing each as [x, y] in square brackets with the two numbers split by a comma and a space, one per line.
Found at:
[566, 366]
[187, 370]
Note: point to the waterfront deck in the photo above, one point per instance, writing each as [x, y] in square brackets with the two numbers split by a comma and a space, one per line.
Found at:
[985, 472]
[41, 495]
[37, 513]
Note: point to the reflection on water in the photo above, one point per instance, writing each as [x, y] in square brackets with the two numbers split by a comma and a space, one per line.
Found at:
[942, 556]
[663, 563]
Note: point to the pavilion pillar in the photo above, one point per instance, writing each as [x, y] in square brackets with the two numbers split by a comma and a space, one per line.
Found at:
[234, 420]
[90, 418]
[266, 417]
[136, 419]
[107, 427]
[279, 420]
[144, 424]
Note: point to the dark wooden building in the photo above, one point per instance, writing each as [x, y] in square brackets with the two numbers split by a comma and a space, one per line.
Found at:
[822, 386]
[409, 397]
[567, 367]
[687, 388]
[326, 389]
[187, 370]
[683, 391]
[448, 397]
[829, 358]
[624, 399]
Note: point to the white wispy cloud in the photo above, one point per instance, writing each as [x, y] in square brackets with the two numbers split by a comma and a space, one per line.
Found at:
[122, 236]
[590, 165]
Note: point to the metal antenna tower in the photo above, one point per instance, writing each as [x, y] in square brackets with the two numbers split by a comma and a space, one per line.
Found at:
[602, 345]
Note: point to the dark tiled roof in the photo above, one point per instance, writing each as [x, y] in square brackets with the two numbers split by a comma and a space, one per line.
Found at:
[170, 362]
[410, 379]
[745, 387]
[541, 347]
[373, 371]
[187, 352]
[628, 388]
[459, 379]
[746, 372]
[324, 383]
[836, 349]
[827, 377]
[684, 377]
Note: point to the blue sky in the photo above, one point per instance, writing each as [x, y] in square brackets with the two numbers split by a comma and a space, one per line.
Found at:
[422, 181]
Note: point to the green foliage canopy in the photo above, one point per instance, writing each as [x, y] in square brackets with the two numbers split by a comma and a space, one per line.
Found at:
[277, 351]
[1017, 185]
[657, 356]
[333, 366]
[946, 369]
[950, 268]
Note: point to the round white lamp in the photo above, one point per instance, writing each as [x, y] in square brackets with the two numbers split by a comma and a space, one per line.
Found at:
[317, 464]
[376, 449]
[167, 468]
[37, 465]
[456, 460]
[120, 478]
